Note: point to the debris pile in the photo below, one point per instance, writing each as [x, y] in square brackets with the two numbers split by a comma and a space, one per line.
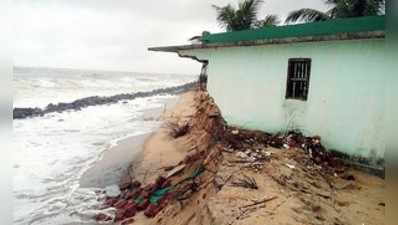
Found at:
[247, 149]
[177, 182]
[251, 145]
[153, 197]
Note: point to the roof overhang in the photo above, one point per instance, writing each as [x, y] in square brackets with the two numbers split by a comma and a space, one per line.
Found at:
[355, 28]
[335, 37]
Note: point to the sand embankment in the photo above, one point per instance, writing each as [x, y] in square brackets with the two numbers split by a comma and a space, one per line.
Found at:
[160, 149]
[235, 176]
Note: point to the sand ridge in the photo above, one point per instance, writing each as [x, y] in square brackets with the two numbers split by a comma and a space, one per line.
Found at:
[289, 187]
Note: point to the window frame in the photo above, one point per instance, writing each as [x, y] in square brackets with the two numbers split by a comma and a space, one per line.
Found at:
[289, 78]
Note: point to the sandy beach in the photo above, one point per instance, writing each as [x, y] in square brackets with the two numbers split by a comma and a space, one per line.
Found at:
[116, 160]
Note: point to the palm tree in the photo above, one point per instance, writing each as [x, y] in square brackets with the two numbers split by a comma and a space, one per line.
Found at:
[340, 9]
[268, 21]
[242, 18]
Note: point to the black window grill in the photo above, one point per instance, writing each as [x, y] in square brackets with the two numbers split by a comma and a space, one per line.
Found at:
[298, 78]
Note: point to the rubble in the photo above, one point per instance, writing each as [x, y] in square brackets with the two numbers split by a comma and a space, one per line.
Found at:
[245, 182]
[175, 171]
[103, 217]
[249, 145]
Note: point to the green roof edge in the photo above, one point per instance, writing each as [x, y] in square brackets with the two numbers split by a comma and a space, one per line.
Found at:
[330, 27]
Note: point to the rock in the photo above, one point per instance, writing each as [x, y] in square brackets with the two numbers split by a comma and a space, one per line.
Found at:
[110, 201]
[112, 191]
[130, 209]
[128, 195]
[136, 193]
[21, 113]
[143, 205]
[151, 211]
[120, 204]
[125, 182]
[102, 217]
[163, 202]
[120, 215]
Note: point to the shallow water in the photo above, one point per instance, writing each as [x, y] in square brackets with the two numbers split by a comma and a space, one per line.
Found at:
[54, 151]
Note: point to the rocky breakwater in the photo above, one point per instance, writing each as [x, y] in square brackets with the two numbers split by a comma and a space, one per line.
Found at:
[22, 113]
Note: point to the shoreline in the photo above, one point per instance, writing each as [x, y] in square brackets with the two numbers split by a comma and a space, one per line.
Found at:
[159, 149]
[115, 160]
[108, 169]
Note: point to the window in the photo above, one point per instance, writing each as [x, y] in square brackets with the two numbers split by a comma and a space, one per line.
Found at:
[298, 78]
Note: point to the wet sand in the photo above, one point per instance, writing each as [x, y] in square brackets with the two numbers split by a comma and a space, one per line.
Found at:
[115, 161]
[108, 170]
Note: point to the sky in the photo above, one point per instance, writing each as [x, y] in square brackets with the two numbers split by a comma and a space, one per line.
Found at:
[115, 34]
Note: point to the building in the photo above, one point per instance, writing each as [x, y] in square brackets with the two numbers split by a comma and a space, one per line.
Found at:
[324, 78]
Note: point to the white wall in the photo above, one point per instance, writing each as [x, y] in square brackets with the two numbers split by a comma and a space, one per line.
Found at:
[346, 101]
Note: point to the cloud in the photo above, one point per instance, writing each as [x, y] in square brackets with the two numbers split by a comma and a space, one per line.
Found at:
[115, 35]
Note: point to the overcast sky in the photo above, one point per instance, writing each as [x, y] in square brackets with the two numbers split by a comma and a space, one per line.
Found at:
[115, 34]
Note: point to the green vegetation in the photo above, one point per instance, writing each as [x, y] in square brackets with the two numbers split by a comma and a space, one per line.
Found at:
[268, 21]
[339, 9]
[244, 17]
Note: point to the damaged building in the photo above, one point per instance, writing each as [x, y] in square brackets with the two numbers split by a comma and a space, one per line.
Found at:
[324, 78]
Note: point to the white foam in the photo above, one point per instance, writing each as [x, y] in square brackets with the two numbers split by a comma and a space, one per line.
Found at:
[54, 151]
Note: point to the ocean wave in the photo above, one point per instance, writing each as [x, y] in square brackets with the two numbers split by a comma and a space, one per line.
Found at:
[21, 113]
[55, 151]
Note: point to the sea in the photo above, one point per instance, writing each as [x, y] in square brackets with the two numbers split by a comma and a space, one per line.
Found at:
[54, 151]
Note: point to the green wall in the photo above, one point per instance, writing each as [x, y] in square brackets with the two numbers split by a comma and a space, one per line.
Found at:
[346, 102]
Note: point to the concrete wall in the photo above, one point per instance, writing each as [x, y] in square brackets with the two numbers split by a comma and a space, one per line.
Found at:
[346, 101]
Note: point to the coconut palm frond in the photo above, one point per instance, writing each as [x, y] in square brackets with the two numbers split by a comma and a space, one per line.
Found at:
[248, 12]
[357, 8]
[238, 19]
[340, 9]
[268, 21]
[225, 16]
[332, 12]
[307, 15]
[272, 20]
[367, 7]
